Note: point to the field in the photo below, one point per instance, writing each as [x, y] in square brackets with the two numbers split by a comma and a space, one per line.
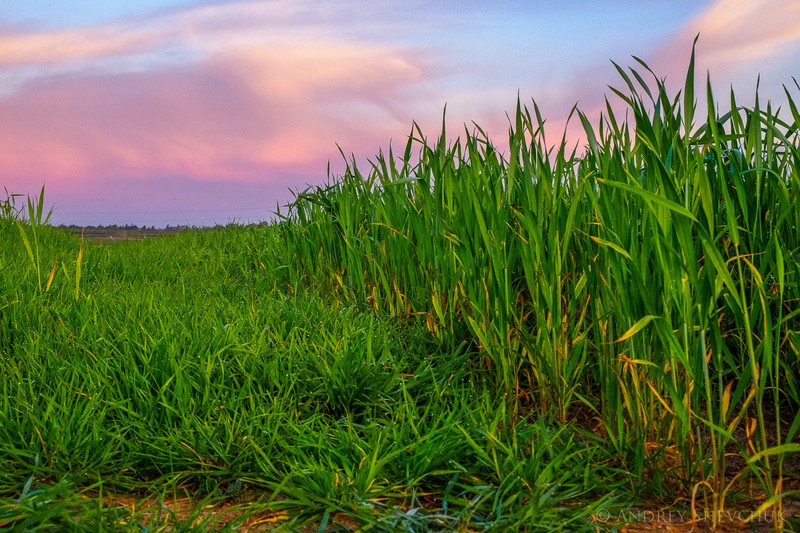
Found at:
[456, 339]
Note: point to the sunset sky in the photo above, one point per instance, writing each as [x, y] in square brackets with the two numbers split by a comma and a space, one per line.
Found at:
[168, 112]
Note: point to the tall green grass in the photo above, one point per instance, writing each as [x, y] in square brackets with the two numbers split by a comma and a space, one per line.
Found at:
[650, 281]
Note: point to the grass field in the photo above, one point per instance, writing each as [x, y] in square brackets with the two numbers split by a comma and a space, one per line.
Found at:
[455, 339]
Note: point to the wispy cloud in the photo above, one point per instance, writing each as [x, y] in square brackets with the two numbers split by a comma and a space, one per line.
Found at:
[256, 97]
[71, 45]
[748, 30]
[740, 40]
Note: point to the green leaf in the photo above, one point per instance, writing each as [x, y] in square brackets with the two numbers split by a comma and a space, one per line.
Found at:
[791, 447]
[609, 244]
[650, 197]
[637, 327]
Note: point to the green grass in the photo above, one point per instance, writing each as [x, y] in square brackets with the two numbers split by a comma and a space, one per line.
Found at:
[456, 339]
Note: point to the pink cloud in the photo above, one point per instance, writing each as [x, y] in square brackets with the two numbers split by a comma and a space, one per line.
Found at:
[239, 115]
[736, 31]
[256, 91]
[71, 45]
[124, 125]
[739, 40]
[203, 28]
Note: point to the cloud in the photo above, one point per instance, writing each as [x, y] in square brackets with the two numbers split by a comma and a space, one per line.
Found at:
[252, 106]
[71, 45]
[748, 30]
[739, 40]
[204, 28]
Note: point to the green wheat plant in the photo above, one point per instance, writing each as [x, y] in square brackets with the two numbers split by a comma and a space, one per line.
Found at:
[29, 232]
[9, 212]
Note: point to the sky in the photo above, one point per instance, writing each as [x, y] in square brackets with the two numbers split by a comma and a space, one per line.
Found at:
[189, 112]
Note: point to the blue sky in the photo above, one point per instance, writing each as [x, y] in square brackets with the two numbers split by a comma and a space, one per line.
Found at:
[161, 112]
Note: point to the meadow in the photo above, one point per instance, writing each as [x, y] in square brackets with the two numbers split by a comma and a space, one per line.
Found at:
[455, 338]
